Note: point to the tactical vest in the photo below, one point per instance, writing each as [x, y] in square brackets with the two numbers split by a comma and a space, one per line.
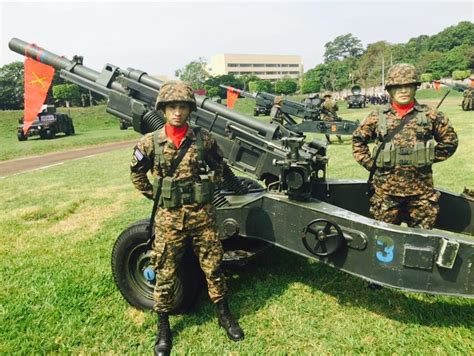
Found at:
[419, 155]
[176, 193]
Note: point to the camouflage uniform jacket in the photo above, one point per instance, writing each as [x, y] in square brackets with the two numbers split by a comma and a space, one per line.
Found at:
[406, 180]
[143, 160]
[330, 106]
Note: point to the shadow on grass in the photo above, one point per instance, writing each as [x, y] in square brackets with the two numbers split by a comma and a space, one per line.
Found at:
[270, 276]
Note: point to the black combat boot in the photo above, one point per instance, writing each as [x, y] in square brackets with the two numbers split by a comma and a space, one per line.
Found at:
[163, 343]
[228, 322]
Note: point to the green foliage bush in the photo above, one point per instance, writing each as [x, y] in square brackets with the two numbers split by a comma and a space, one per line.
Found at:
[461, 74]
[436, 76]
[261, 85]
[285, 86]
[426, 77]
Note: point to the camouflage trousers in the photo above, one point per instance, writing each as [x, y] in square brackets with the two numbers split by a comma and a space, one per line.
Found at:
[415, 210]
[168, 249]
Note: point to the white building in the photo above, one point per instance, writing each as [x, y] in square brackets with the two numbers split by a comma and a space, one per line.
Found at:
[264, 66]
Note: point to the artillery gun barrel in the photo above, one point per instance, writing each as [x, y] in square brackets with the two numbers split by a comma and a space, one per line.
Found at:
[62, 63]
[242, 92]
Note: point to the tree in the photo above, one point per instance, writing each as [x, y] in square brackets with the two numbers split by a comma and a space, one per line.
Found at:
[11, 86]
[310, 86]
[67, 92]
[341, 47]
[212, 84]
[453, 36]
[194, 73]
[285, 86]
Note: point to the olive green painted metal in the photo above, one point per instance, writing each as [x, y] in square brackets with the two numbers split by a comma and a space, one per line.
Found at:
[299, 210]
[311, 114]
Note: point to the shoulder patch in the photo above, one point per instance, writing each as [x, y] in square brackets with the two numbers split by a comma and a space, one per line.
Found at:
[138, 154]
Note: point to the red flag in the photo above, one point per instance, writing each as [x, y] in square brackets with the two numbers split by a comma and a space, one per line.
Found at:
[437, 84]
[38, 78]
[231, 97]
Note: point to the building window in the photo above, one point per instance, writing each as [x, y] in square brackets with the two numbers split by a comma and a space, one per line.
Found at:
[284, 65]
[294, 65]
[258, 65]
[270, 65]
[293, 72]
[232, 65]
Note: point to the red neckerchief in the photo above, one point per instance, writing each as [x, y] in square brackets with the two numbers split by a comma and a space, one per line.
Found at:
[176, 133]
[403, 109]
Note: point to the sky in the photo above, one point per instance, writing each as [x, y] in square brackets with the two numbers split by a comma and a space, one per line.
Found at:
[160, 37]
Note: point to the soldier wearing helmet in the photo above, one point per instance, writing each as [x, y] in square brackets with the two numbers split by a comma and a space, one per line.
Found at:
[276, 114]
[401, 163]
[328, 111]
[185, 214]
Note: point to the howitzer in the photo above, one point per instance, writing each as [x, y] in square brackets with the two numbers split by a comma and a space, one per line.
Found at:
[455, 86]
[467, 103]
[299, 210]
[310, 114]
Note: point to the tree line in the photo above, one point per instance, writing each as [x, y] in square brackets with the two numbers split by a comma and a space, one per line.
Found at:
[346, 62]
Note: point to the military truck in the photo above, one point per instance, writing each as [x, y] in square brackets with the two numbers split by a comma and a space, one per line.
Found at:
[124, 124]
[356, 100]
[47, 124]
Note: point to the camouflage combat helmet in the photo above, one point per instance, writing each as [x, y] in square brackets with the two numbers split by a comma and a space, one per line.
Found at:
[278, 100]
[175, 91]
[401, 74]
[327, 93]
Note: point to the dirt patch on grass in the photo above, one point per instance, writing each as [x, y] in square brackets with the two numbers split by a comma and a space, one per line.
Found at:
[89, 217]
[136, 316]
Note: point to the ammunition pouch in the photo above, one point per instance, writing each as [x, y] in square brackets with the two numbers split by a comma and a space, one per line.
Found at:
[420, 155]
[157, 183]
[175, 194]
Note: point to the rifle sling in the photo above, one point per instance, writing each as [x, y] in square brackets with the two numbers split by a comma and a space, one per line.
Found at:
[388, 137]
[174, 164]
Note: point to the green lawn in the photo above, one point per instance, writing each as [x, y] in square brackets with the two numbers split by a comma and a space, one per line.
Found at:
[58, 227]
[93, 127]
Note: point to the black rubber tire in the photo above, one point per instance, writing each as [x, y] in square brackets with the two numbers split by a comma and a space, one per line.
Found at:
[50, 134]
[70, 131]
[123, 126]
[131, 255]
[21, 136]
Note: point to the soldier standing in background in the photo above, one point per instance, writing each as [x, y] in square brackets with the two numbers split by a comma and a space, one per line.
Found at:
[276, 113]
[185, 214]
[402, 173]
[329, 107]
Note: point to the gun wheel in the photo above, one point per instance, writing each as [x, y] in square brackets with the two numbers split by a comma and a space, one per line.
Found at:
[131, 268]
[322, 237]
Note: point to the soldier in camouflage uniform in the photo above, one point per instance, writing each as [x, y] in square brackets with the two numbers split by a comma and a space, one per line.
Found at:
[276, 114]
[329, 107]
[185, 214]
[403, 179]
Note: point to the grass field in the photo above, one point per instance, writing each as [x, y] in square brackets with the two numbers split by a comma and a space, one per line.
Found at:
[58, 227]
[93, 127]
